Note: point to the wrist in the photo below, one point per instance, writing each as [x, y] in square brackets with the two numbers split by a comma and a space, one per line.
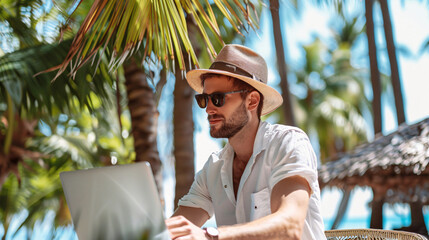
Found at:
[211, 233]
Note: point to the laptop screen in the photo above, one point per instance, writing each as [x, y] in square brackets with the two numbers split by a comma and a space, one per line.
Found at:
[115, 202]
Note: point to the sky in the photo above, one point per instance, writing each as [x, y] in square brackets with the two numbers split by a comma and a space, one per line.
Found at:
[411, 29]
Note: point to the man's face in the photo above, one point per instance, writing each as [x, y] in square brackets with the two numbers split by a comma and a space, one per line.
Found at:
[229, 119]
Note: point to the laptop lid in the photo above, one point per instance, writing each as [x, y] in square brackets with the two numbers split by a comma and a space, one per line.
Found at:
[115, 202]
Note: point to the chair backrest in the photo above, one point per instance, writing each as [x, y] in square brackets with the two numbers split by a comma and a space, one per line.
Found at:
[369, 234]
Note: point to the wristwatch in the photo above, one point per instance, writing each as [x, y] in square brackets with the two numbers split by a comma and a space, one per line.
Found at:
[212, 233]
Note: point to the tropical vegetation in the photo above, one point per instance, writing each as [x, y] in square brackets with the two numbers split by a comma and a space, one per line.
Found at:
[92, 100]
[78, 93]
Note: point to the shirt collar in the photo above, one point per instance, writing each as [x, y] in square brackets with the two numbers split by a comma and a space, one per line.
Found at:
[227, 152]
[259, 145]
[260, 139]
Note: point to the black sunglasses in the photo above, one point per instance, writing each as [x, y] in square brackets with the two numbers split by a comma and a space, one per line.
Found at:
[218, 98]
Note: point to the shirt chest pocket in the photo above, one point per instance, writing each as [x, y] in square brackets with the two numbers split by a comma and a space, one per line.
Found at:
[260, 204]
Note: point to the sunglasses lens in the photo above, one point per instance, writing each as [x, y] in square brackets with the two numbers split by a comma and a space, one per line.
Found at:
[218, 99]
[201, 100]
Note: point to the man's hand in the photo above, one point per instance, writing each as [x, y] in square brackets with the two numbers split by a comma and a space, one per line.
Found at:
[181, 228]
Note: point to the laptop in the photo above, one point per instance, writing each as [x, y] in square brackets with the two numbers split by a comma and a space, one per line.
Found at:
[115, 202]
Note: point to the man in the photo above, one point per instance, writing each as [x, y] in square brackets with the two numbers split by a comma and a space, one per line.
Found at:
[263, 183]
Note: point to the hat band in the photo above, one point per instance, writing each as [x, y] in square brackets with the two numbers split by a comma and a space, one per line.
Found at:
[233, 69]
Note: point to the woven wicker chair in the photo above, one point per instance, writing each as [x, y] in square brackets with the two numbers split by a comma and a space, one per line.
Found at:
[371, 234]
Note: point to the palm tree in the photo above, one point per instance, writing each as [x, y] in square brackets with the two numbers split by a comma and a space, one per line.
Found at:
[110, 27]
[346, 38]
[141, 104]
[377, 202]
[394, 73]
[41, 108]
[79, 140]
[281, 63]
[417, 220]
[376, 217]
[30, 104]
[11, 13]
[183, 136]
[26, 100]
[332, 105]
[373, 64]
[183, 121]
[29, 98]
[113, 22]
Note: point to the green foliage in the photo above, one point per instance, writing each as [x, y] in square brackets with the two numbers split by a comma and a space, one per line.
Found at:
[161, 29]
[331, 101]
[77, 119]
[68, 142]
[78, 128]
[36, 95]
[227, 33]
[30, 22]
[11, 13]
[78, 124]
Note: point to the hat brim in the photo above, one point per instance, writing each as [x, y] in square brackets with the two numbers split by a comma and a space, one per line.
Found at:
[272, 98]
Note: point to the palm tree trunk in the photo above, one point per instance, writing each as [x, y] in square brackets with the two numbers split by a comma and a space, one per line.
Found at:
[184, 123]
[375, 74]
[281, 63]
[377, 214]
[377, 209]
[377, 203]
[342, 209]
[183, 136]
[144, 116]
[417, 220]
[391, 50]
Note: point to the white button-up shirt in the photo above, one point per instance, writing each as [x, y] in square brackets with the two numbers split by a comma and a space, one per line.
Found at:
[279, 152]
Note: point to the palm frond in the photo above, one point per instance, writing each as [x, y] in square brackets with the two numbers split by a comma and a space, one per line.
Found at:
[145, 27]
[11, 13]
[31, 22]
[76, 147]
[37, 94]
[41, 191]
[332, 100]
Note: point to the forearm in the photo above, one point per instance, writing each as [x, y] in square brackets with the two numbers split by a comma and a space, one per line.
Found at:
[274, 226]
[196, 215]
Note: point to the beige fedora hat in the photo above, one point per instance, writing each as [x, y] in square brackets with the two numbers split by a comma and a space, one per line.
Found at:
[242, 63]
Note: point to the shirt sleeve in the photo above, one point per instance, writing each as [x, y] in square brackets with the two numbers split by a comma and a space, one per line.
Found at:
[198, 195]
[293, 155]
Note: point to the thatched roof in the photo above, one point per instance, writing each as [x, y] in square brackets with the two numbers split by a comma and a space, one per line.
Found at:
[397, 164]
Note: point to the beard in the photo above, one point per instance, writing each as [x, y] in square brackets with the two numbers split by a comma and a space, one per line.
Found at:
[231, 126]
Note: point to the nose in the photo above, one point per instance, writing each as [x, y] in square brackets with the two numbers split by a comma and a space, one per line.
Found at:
[210, 108]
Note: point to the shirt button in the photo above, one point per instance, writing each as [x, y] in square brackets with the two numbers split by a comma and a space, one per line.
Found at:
[256, 207]
[225, 186]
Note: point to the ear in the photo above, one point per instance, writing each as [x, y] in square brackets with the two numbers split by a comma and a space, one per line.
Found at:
[253, 100]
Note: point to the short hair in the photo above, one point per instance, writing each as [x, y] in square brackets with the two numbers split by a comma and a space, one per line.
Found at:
[238, 85]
